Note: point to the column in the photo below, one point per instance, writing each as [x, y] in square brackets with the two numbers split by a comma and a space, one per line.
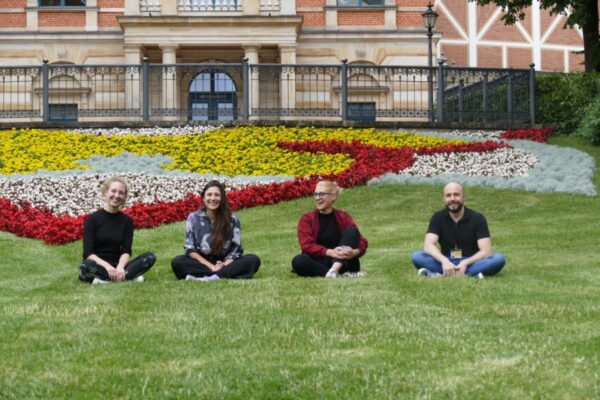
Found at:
[133, 78]
[32, 15]
[251, 52]
[287, 84]
[91, 16]
[170, 92]
[331, 14]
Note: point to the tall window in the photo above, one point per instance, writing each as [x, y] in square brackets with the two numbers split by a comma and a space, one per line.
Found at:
[212, 97]
[62, 3]
[360, 3]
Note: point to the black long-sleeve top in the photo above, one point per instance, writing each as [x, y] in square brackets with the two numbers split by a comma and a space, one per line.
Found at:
[107, 235]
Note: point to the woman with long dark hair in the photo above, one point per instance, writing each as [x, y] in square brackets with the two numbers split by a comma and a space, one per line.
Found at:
[213, 242]
[107, 240]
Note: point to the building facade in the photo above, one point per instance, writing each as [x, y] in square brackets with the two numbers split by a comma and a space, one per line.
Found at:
[329, 59]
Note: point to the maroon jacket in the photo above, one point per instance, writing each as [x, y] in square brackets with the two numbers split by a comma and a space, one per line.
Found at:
[308, 229]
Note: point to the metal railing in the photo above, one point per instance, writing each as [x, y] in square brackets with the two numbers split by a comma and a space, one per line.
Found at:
[210, 5]
[274, 92]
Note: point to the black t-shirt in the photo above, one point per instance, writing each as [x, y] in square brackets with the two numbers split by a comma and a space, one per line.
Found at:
[463, 234]
[329, 234]
[107, 235]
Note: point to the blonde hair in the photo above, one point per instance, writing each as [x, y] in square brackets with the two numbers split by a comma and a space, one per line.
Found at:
[106, 184]
[331, 187]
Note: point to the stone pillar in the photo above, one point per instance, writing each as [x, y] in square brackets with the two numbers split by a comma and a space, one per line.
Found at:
[133, 77]
[32, 15]
[91, 16]
[251, 52]
[287, 84]
[331, 14]
[170, 90]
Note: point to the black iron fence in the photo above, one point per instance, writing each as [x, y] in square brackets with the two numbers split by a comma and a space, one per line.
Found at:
[219, 92]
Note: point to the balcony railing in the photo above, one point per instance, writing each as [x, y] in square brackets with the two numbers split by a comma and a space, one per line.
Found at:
[210, 5]
[216, 6]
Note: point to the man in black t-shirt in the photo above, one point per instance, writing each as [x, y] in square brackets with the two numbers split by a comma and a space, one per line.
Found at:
[464, 238]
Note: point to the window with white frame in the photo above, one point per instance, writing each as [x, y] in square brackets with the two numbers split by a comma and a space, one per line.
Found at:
[62, 3]
[360, 3]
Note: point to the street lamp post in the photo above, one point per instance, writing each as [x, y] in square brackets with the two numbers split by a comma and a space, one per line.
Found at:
[429, 19]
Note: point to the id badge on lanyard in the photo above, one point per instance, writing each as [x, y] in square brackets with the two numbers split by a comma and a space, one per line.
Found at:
[455, 253]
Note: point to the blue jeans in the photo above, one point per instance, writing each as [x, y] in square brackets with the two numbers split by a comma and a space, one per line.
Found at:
[488, 266]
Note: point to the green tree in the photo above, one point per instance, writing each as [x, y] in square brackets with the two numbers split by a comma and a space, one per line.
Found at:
[583, 13]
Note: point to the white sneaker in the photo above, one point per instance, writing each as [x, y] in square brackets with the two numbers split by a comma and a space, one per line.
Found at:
[479, 276]
[354, 274]
[139, 278]
[98, 281]
[192, 278]
[332, 274]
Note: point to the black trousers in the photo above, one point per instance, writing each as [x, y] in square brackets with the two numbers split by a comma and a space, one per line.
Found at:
[305, 265]
[242, 268]
[88, 269]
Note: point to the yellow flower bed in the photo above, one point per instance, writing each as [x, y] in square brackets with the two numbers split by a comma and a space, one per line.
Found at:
[238, 151]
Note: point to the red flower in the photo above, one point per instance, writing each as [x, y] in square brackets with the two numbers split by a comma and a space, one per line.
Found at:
[370, 162]
[538, 135]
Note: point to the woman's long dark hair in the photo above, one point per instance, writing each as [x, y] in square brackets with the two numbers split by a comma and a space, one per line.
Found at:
[221, 228]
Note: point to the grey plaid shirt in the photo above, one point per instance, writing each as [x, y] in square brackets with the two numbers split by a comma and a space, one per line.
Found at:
[198, 234]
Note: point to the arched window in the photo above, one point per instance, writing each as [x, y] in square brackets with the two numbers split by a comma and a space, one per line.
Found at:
[212, 97]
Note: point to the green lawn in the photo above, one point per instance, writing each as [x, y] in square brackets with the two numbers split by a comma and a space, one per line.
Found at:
[530, 332]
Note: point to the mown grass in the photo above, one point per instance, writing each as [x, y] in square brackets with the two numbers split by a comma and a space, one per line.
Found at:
[530, 332]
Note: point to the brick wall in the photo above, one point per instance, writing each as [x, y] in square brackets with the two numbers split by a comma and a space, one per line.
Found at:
[519, 58]
[357, 18]
[310, 3]
[489, 56]
[111, 3]
[553, 60]
[576, 62]
[313, 18]
[456, 54]
[13, 20]
[61, 19]
[13, 3]
[412, 3]
[108, 19]
[409, 19]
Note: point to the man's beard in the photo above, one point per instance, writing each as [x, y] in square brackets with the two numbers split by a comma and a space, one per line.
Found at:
[458, 208]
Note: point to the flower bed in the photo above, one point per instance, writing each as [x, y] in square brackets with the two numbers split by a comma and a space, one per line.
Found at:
[350, 157]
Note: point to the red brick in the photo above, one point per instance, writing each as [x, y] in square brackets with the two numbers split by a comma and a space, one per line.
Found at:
[412, 3]
[519, 58]
[576, 62]
[552, 60]
[313, 18]
[13, 3]
[108, 19]
[411, 18]
[61, 19]
[111, 3]
[456, 54]
[489, 56]
[310, 3]
[360, 18]
[13, 20]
